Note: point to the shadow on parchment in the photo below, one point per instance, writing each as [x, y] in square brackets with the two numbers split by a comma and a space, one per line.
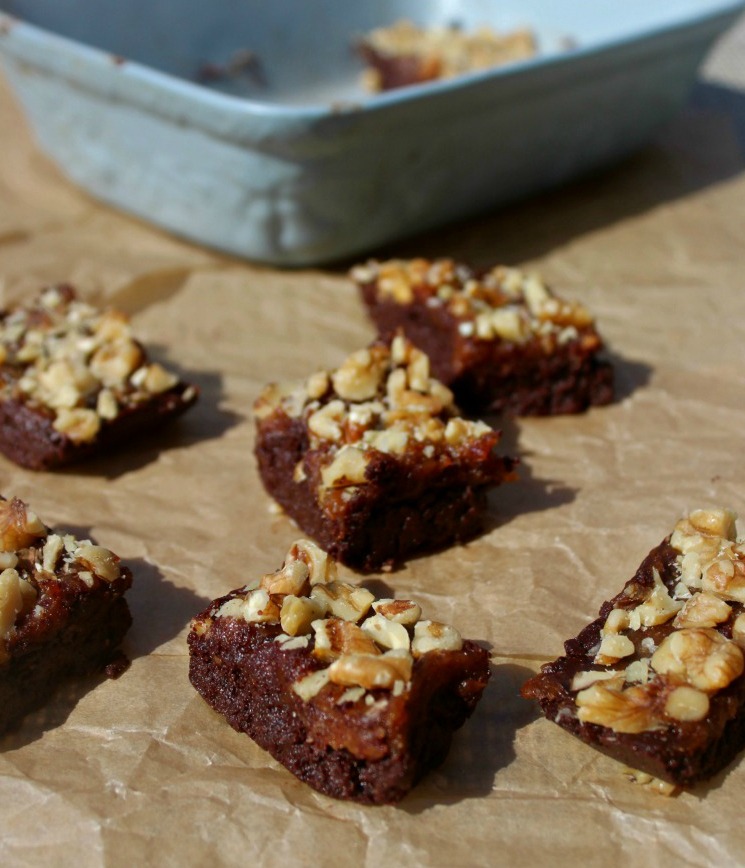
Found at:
[483, 746]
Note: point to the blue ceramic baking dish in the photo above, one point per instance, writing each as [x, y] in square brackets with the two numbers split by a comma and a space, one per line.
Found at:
[293, 163]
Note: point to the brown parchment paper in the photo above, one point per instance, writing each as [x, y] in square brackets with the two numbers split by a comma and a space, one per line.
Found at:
[139, 771]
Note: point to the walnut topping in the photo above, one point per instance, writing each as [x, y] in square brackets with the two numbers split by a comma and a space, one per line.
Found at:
[347, 468]
[297, 614]
[11, 601]
[651, 783]
[336, 638]
[501, 304]
[658, 608]
[342, 600]
[617, 620]
[387, 634]
[433, 636]
[360, 376]
[371, 672]
[630, 710]
[706, 541]
[255, 607]
[583, 680]
[80, 363]
[687, 703]
[404, 612]
[113, 362]
[101, 561]
[19, 527]
[154, 379]
[700, 657]
[309, 686]
[738, 630]
[291, 579]
[702, 610]
[614, 647]
[637, 672]
[725, 577]
[79, 424]
[337, 622]
[381, 400]
[321, 568]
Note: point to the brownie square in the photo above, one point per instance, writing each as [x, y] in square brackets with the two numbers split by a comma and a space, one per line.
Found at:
[371, 460]
[62, 611]
[500, 339]
[357, 697]
[75, 382]
[657, 680]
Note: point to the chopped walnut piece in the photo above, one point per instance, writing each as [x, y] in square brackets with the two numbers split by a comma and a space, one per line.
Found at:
[360, 375]
[154, 378]
[347, 468]
[79, 424]
[725, 577]
[255, 607]
[687, 703]
[326, 422]
[387, 634]
[336, 637]
[321, 568]
[112, 363]
[309, 686]
[19, 527]
[370, 672]
[343, 600]
[433, 636]
[291, 579]
[297, 614]
[738, 630]
[404, 612]
[714, 522]
[11, 601]
[699, 656]
[105, 564]
[617, 620]
[631, 710]
[614, 647]
[658, 608]
[702, 610]
[583, 680]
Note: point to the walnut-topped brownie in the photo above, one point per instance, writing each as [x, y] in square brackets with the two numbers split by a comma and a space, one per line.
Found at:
[657, 680]
[500, 339]
[62, 611]
[74, 381]
[358, 697]
[403, 54]
[372, 460]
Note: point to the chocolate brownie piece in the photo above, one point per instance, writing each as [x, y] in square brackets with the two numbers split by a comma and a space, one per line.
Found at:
[404, 54]
[372, 461]
[74, 381]
[62, 611]
[357, 697]
[657, 680]
[501, 340]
